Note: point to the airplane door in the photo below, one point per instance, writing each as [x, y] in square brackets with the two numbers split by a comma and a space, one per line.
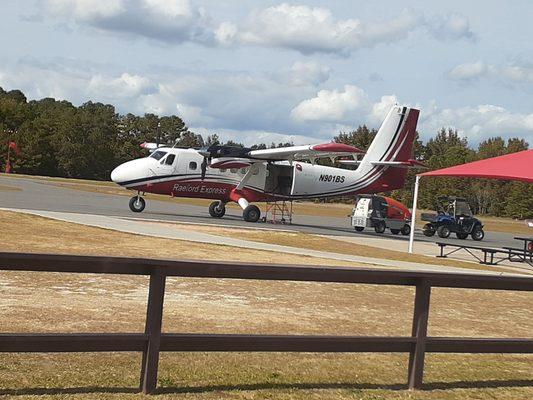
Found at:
[167, 164]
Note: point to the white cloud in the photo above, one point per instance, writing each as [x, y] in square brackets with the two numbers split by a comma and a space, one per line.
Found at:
[126, 85]
[86, 9]
[172, 21]
[308, 73]
[468, 71]
[315, 29]
[332, 105]
[519, 74]
[510, 73]
[302, 28]
[450, 27]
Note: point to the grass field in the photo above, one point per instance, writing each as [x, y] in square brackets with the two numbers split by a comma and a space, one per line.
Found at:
[48, 302]
[305, 208]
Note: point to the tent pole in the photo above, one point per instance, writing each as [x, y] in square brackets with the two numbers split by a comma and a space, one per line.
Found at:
[413, 216]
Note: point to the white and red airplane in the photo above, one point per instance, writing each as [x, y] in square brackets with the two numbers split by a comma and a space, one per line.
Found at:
[244, 176]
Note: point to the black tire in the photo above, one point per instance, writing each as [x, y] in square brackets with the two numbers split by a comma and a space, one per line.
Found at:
[137, 204]
[395, 231]
[380, 227]
[478, 233]
[461, 235]
[428, 230]
[251, 213]
[443, 231]
[217, 209]
[406, 230]
[359, 228]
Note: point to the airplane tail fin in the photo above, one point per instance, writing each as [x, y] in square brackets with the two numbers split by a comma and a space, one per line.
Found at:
[392, 148]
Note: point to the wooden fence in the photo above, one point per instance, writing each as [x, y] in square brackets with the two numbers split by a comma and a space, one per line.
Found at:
[152, 341]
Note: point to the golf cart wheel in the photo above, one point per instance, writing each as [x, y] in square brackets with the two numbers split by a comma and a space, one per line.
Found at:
[406, 230]
[428, 230]
[379, 227]
[137, 204]
[443, 231]
[461, 235]
[359, 228]
[217, 209]
[478, 233]
[251, 213]
[395, 231]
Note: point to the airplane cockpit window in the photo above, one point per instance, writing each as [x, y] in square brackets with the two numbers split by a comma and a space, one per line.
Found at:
[170, 159]
[158, 155]
[193, 165]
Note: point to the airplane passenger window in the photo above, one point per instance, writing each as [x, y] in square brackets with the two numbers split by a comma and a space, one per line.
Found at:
[193, 165]
[170, 159]
[158, 155]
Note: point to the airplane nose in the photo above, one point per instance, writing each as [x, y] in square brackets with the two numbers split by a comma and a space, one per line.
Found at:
[117, 175]
[131, 171]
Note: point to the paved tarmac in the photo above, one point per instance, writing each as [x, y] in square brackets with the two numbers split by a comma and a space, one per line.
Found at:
[42, 195]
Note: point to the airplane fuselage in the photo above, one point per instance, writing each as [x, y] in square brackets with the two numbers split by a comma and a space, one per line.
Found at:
[275, 180]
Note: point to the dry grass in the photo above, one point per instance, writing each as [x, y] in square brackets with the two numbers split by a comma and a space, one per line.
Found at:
[47, 302]
[321, 243]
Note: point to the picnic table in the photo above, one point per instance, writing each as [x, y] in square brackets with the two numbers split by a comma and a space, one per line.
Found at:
[528, 247]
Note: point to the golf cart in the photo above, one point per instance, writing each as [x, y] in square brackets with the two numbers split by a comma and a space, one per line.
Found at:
[380, 213]
[453, 215]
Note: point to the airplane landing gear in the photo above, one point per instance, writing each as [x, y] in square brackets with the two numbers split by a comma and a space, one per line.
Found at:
[217, 209]
[251, 213]
[137, 204]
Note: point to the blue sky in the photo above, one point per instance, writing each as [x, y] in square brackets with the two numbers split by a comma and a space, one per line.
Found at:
[271, 71]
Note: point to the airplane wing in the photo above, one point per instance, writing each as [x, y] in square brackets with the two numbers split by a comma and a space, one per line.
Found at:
[398, 164]
[307, 152]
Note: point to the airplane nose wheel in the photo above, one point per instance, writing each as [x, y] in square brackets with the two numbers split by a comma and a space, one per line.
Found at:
[217, 209]
[137, 204]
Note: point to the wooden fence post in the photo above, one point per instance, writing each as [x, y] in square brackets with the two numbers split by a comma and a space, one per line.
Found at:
[154, 317]
[419, 331]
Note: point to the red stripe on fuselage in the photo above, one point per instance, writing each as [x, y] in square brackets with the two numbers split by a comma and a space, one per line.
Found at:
[200, 189]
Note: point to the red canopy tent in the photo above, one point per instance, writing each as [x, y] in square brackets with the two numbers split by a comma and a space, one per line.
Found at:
[515, 166]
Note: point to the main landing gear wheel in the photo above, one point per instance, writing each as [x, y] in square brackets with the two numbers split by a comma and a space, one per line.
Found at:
[137, 204]
[217, 209]
[251, 213]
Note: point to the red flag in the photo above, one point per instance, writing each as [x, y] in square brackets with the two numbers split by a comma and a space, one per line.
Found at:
[14, 147]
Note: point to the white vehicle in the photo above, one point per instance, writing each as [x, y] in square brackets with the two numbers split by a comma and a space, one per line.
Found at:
[380, 213]
[243, 175]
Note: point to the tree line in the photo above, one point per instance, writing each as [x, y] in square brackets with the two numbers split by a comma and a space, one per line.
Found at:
[57, 138]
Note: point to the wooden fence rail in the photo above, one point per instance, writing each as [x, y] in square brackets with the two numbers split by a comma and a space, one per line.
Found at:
[152, 341]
